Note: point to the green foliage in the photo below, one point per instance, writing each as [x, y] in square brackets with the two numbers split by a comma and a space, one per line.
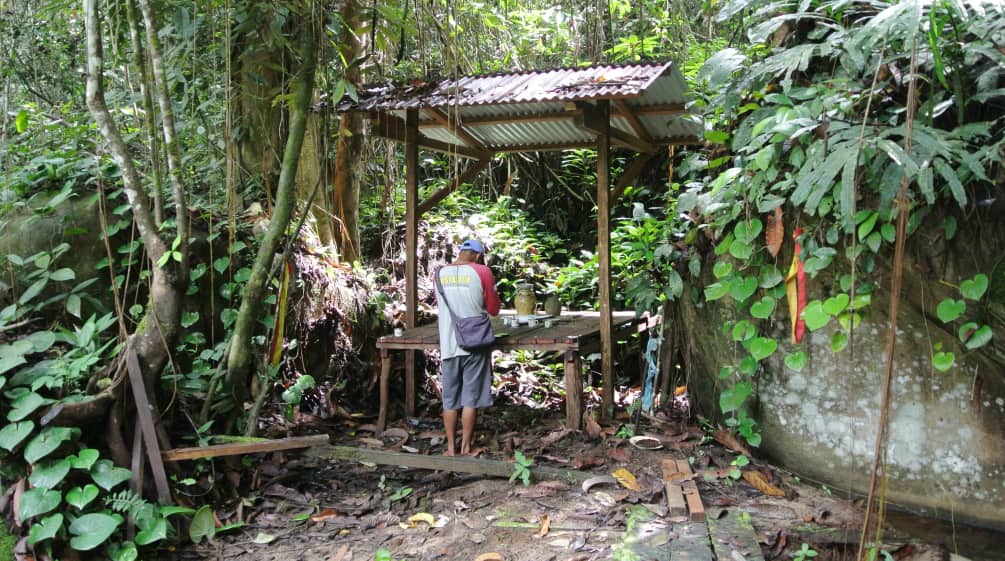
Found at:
[804, 553]
[521, 468]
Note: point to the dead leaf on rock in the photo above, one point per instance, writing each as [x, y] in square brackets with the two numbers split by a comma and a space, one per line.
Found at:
[774, 233]
[545, 525]
[727, 439]
[627, 479]
[491, 556]
[371, 442]
[583, 462]
[344, 553]
[592, 427]
[620, 455]
[325, 515]
[554, 437]
[395, 432]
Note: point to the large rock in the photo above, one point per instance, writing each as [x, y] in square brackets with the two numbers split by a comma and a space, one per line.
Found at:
[946, 448]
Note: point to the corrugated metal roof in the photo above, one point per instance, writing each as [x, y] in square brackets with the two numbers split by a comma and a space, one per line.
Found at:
[525, 110]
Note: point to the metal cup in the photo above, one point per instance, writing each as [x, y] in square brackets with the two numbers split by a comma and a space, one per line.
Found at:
[398, 332]
[531, 322]
[548, 323]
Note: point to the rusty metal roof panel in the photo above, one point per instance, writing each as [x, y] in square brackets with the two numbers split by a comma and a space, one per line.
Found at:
[564, 84]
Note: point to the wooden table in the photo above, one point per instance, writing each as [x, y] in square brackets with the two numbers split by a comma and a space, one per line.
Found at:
[573, 333]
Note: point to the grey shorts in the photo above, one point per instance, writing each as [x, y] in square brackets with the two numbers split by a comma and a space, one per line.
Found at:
[467, 381]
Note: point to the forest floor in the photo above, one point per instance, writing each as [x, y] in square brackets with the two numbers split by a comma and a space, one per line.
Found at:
[309, 508]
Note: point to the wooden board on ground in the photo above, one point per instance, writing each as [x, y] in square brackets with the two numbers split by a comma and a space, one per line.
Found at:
[690, 490]
[460, 464]
[691, 543]
[238, 448]
[733, 536]
[673, 489]
[647, 536]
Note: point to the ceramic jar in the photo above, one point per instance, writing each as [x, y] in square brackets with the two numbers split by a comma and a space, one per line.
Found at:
[552, 306]
[525, 300]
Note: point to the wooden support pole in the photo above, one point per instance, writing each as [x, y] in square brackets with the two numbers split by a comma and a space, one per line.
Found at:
[604, 259]
[573, 391]
[240, 448]
[411, 245]
[385, 389]
[460, 464]
[146, 425]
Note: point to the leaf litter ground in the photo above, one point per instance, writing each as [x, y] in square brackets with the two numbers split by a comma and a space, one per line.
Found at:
[302, 507]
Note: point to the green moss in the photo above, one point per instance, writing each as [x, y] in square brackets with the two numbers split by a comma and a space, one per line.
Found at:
[7, 542]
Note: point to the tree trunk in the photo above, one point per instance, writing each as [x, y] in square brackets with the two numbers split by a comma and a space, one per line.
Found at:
[239, 361]
[347, 184]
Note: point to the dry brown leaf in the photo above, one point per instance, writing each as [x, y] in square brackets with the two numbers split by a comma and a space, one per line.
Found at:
[627, 479]
[545, 525]
[372, 442]
[491, 556]
[554, 437]
[592, 427]
[621, 455]
[367, 428]
[395, 432]
[774, 233]
[325, 515]
[726, 438]
[679, 391]
[583, 462]
[343, 553]
[759, 482]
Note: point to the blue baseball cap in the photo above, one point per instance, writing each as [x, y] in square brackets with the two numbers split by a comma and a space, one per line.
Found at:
[473, 245]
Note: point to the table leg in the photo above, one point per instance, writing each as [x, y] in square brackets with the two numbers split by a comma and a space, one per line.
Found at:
[573, 391]
[385, 386]
[410, 383]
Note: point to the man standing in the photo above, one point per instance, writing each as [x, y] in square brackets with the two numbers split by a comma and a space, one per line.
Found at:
[466, 376]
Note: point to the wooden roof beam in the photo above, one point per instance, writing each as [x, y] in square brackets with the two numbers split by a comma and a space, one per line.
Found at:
[593, 121]
[393, 128]
[667, 109]
[631, 172]
[457, 129]
[640, 129]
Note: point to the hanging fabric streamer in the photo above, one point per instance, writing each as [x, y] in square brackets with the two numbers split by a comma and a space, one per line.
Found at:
[652, 347]
[795, 290]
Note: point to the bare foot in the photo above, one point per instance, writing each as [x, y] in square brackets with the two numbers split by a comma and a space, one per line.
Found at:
[448, 453]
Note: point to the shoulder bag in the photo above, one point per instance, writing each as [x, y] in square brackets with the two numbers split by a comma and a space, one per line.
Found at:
[473, 333]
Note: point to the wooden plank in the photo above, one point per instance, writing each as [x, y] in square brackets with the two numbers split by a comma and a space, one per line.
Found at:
[691, 543]
[646, 536]
[240, 448]
[146, 425]
[573, 391]
[733, 536]
[604, 261]
[385, 389]
[460, 464]
[674, 492]
[411, 245]
[690, 490]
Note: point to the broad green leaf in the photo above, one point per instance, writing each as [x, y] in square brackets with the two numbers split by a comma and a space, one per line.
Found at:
[943, 361]
[955, 186]
[762, 347]
[797, 361]
[978, 338]
[221, 264]
[156, 532]
[748, 365]
[35, 502]
[732, 398]
[973, 289]
[889, 232]
[32, 291]
[815, 315]
[763, 308]
[21, 121]
[722, 268]
[747, 232]
[674, 285]
[41, 341]
[188, 319]
[839, 340]
[949, 309]
[84, 459]
[47, 441]
[743, 288]
[45, 529]
[107, 475]
[949, 227]
[740, 250]
[716, 291]
[743, 331]
[769, 276]
[10, 361]
[124, 552]
[80, 497]
[865, 228]
[874, 241]
[264, 538]
[49, 474]
[25, 405]
[169, 510]
[849, 321]
[203, 525]
[62, 275]
[13, 434]
[92, 530]
[836, 304]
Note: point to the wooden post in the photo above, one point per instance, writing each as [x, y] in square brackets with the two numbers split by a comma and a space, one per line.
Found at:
[604, 258]
[385, 387]
[411, 245]
[573, 391]
[146, 425]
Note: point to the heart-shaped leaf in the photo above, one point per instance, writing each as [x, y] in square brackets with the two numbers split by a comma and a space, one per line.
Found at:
[14, 433]
[47, 441]
[25, 405]
[769, 276]
[84, 459]
[741, 250]
[839, 340]
[722, 268]
[848, 319]
[762, 308]
[80, 497]
[836, 304]
[92, 530]
[732, 398]
[107, 475]
[124, 552]
[743, 331]
[797, 361]
[762, 347]
[748, 365]
[815, 316]
[974, 288]
[38, 501]
[41, 341]
[203, 525]
[748, 231]
[943, 361]
[49, 474]
[949, 309]
[742, 288]
[45, 529]
[716, 291]
[156, 532]
[978, 337]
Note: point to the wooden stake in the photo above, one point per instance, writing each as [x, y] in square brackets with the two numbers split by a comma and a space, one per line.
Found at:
[239, 448]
